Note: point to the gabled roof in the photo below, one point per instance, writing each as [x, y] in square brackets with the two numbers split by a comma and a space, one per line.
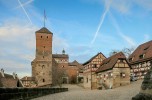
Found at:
[44, 30]
[143, 49]
[9, 81]
[74, 63]
[110, 62]
[60, 55]
[92, 58]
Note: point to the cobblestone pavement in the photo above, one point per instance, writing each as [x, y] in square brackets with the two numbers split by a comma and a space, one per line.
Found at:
[78, 93]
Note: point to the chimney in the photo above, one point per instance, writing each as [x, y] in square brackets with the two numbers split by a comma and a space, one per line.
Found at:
[14, 75]
[2, 72]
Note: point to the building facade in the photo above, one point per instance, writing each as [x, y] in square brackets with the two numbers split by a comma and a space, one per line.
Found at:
[90, 67]
[28, 81]
[42, 64]
[140, 60]
[113, 72]
[70, 68]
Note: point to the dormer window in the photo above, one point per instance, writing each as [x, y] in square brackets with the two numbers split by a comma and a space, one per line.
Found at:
[141, 56]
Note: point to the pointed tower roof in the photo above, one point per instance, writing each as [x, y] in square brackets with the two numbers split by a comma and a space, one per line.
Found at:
[63, 51]
[44, 30]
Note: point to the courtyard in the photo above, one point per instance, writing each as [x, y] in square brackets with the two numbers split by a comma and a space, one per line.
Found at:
[78, 93]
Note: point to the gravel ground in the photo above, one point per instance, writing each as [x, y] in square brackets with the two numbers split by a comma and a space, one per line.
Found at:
[78, 93]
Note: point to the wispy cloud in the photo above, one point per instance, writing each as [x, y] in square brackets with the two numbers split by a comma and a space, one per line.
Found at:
[120, 33]
[107, 6]
[24, 4]
[25, 11]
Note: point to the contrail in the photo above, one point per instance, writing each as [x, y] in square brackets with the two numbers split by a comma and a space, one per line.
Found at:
[107, 6]
[23, 4]
[119, 32]
[25, 11]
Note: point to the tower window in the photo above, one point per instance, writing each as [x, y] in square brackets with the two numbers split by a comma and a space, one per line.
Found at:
[43, 66]
[44, 46]
[41, 36]
[43, 80]
[43, 56]
[47, 36]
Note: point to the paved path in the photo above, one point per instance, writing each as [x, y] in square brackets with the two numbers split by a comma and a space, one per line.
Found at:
[78, 93]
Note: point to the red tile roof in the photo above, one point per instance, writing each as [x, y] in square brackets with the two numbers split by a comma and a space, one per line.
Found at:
[109, 63]
[143, 49]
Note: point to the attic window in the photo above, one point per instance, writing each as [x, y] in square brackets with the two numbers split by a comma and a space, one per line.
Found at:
[141, 56]
[130, 59]
[121, 60]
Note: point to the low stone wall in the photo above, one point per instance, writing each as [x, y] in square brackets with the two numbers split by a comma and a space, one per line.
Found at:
[27, 93]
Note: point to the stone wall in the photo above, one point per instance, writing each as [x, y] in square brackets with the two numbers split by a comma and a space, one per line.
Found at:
[27, 93]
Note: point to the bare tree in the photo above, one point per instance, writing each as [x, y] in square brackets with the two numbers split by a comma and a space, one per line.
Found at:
[126, 51]
[113, 52]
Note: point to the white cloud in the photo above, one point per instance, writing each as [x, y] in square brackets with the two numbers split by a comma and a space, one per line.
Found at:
[107, 6]
[147, 4]
[128, 39]
[25, 3]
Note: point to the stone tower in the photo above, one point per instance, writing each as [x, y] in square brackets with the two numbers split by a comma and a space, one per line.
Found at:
[42, 64]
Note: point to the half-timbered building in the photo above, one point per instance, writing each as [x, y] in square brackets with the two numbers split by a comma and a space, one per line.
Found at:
[113, 72]
[90, 68]
[140, 60]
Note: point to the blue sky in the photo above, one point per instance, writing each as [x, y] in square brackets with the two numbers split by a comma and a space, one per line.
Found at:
[82, 27]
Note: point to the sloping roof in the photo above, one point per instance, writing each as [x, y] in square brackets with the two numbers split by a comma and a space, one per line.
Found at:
[60, 56]
[146, 49]
[110, 62]
[74, 63]
[44, 30]
[92, 58]
[27, 78]
[9, 81]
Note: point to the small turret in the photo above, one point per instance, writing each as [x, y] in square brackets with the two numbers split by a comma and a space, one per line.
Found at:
[63, 51]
